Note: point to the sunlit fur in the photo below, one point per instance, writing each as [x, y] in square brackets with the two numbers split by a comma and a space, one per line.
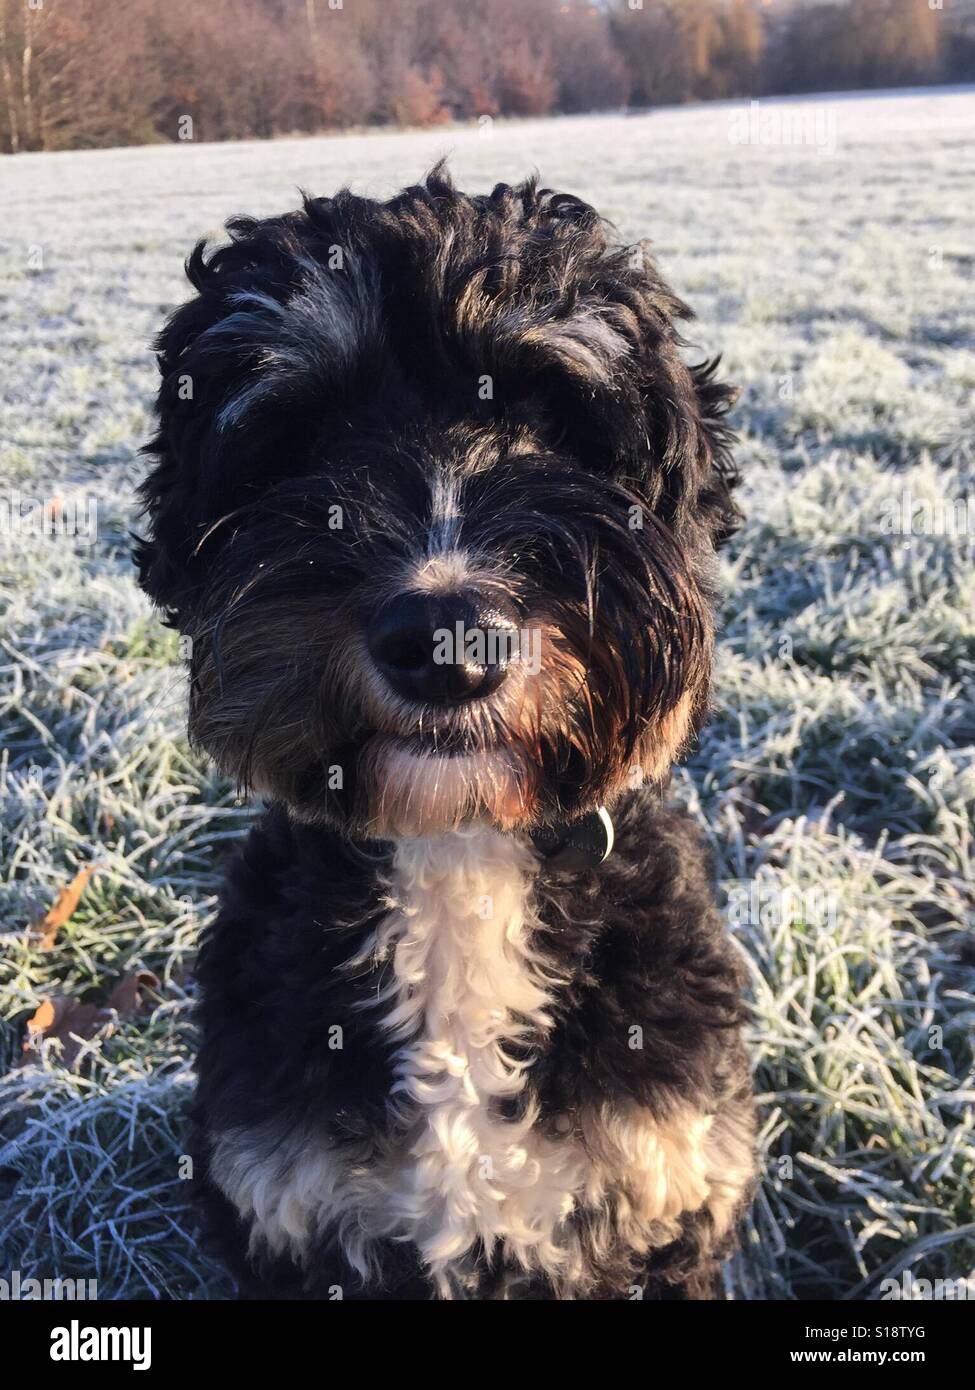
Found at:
[418, 1073]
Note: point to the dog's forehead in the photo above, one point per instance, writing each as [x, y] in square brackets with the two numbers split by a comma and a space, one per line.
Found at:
[339, 330]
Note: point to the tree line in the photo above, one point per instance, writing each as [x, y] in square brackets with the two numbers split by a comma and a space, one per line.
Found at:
[85, 73]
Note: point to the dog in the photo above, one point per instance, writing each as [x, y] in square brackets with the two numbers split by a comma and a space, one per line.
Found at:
[435, 499]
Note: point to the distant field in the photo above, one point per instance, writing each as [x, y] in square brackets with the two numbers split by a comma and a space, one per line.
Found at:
[836, 779]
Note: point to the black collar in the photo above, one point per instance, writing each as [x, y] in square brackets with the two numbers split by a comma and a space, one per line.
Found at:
[577, 844]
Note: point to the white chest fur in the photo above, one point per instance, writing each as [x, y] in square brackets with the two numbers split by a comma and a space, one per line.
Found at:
[467, 983]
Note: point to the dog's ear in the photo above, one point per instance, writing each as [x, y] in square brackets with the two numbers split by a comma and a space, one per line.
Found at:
[278, 329]
[718, 473]
[169, 493]
[201, 351]
[685, 444]
[591, 328]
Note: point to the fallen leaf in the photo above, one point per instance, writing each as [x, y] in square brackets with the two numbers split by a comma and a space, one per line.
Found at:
[74, 1023]
[126, 997]
[47, 927]
[70, 1021]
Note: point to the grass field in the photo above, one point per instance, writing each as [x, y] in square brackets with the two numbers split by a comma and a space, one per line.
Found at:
[836, 780]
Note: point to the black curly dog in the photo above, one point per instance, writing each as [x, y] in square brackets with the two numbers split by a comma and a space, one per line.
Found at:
[436, 498]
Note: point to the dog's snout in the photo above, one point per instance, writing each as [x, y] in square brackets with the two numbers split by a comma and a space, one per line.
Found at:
[442, 648]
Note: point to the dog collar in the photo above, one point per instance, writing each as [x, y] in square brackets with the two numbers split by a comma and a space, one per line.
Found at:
[578, 844]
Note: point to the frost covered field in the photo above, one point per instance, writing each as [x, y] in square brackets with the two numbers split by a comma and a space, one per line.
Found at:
[836, 779]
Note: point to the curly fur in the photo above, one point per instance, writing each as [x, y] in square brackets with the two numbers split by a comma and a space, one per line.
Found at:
[402, 1092]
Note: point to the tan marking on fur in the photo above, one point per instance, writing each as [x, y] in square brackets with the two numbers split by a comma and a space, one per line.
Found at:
[441, 574]
[660, 1166]
[663, 742]
[731, 1162]
[260, 657]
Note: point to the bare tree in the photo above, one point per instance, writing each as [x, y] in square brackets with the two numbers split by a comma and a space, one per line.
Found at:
[9, 137]
[96, 72]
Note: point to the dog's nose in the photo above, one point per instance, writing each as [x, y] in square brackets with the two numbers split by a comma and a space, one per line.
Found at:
[442, 648]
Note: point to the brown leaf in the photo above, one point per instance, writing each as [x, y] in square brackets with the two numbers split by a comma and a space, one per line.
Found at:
[69, 1020]
[47, 927]
[74, 1023]
[126, 997]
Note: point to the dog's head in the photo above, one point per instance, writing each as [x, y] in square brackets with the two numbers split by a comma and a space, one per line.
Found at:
[436, 499]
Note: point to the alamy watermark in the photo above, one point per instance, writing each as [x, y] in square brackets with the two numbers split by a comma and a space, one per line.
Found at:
[460, 645]
[943, 516]
[915, 1290]
[788, 124]
[752, 903]
[78, 1343]
[70, 515]
[18, 1289]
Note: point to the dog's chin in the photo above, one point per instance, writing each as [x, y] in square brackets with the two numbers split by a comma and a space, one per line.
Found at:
[408, 786]
[405, 788]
